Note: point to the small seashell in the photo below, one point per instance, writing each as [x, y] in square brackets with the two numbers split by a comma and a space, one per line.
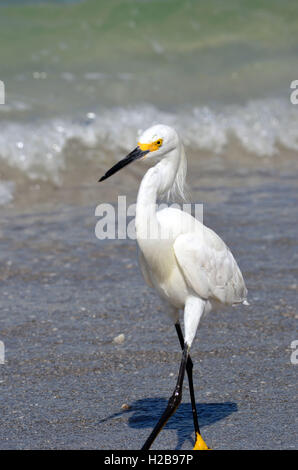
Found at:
[119, 339]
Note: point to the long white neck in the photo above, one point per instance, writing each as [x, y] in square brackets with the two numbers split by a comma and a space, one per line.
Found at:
[156, 182]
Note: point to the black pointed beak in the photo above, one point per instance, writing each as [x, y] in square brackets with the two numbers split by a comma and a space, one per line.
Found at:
[134, 155]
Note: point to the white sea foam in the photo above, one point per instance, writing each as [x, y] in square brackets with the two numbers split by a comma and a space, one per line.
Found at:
[37, 149]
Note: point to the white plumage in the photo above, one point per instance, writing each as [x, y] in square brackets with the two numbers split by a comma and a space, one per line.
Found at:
[179, 256]
[187, 263]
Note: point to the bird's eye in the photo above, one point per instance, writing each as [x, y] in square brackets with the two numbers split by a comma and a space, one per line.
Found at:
[157, 144]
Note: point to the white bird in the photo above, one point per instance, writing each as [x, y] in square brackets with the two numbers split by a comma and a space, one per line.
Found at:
[187, 263]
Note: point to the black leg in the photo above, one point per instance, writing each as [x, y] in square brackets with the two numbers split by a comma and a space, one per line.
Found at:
[173, 403]
[199, 444]
[189, 367]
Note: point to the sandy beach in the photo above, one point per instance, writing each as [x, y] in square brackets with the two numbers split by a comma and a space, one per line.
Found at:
[66, 295]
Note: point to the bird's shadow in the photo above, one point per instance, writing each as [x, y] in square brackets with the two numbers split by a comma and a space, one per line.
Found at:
[146, 412]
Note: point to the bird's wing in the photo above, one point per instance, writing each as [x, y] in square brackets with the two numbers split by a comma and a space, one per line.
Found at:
[209, 267]
[144, 268]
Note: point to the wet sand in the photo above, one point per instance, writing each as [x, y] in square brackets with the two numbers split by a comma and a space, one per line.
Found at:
[65, 295]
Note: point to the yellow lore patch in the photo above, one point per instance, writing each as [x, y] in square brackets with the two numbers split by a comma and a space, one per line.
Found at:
[152, 146]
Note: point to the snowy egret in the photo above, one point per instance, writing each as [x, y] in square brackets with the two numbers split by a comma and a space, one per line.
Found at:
[191, 267]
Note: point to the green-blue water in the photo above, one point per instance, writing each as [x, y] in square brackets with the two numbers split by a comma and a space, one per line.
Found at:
[211, 68]
[165, 52]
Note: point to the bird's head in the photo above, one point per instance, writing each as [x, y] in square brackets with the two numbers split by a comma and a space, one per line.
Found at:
[156, 142]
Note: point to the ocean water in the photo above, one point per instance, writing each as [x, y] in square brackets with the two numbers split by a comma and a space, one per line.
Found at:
[83, 78]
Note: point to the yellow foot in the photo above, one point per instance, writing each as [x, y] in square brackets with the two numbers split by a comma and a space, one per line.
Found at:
[200, 443]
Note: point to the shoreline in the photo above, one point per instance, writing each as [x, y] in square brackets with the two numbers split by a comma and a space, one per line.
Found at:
[206, 170]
